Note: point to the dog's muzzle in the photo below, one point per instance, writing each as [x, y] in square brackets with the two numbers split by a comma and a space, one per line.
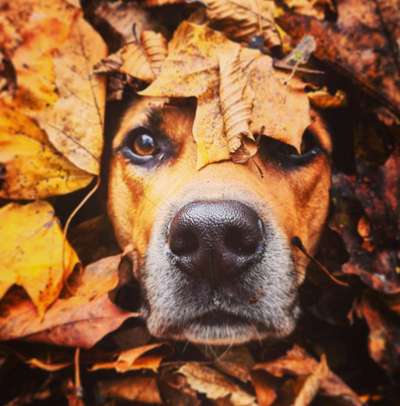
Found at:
[216, 240]
[219, 272]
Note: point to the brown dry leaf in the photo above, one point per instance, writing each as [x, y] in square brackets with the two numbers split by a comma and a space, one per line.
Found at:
[384, 335]
[53, 62]
[31, 167]
[361, 43]
[312, 8]
[139, 60]
[312, 384]
[155, 47]
[242, 20]
[264, 387]
[322, 99]
[133, 388]
[37, 363]
[133, 359]
[298, 363]
[26, 233]
[192, 70]
[215, 385]
[78, 321]
[235, 108]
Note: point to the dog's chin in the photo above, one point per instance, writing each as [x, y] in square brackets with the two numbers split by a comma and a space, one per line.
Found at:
[213, 329]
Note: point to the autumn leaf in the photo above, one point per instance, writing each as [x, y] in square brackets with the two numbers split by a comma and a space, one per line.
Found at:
[243, 20]
[31, 167]
[27, 232]
[192, 69]
[80, 320]
[55, 86]
[140, 60]
[133, 359]
[133, 388]
[214, 385]
[322, 99]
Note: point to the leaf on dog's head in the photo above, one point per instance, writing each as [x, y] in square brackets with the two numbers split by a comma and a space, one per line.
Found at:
[26, 233]
[239, 94]
[53, 63]
[140, 60]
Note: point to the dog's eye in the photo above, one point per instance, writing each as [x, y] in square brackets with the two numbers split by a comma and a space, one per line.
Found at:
[141, 146]
[144, 144]
[286, 155]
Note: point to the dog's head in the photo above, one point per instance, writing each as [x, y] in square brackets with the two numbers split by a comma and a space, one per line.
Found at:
[216, 263]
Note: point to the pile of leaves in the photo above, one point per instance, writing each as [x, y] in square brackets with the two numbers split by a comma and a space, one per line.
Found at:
[66, 339]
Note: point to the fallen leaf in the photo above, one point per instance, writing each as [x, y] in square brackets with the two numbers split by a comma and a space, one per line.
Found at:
[384, 335]
[192, 69]
[214, 385]
[322, 99]
[155, 47]
[32, 167]
[133, 388]
[357, 44]
[243, 20]
[264, 387]
[133, 359]
[27, 232]
[55, 86]
[312, 8]
[37, 363]
[77, 321]
[298, 363]
[312, 384]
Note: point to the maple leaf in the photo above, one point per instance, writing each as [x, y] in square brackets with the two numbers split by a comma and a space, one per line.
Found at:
[27, 232]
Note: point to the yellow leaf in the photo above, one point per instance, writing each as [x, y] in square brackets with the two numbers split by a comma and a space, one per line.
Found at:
[32, 251]
[53, 62]
[235, 101]
[155, 46]
[31, 167]
[134, 359]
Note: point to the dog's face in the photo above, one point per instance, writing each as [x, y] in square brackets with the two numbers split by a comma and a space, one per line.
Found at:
[216, 263]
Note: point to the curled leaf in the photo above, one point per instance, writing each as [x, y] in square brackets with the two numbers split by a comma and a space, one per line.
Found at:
[236, 111]
[135, 62]
[155, 46]
[322, 99]
[244, 19]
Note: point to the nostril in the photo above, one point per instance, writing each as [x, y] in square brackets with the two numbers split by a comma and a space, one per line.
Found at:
[241, 241]
[183, 242]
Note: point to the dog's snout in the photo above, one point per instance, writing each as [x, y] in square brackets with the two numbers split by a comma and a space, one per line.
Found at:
[216, 238]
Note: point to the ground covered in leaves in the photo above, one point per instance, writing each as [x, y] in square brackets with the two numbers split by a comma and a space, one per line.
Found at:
[65, 336]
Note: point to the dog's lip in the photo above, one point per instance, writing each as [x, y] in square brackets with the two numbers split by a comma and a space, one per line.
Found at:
[218, 317]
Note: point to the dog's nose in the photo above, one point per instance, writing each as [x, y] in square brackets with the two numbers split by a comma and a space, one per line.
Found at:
[216, 239]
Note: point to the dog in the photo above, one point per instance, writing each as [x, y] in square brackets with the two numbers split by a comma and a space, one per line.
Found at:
[215, 259]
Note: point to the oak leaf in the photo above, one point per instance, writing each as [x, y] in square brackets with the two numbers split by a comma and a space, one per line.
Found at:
[27, 232]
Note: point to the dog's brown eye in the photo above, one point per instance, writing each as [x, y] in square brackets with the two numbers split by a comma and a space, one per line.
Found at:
[144, 145]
